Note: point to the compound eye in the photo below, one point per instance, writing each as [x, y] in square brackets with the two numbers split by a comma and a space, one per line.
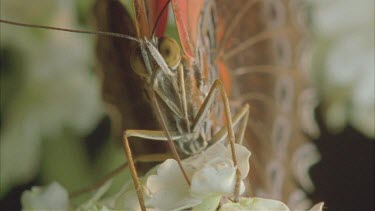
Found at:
[136, 61]
[170, 50]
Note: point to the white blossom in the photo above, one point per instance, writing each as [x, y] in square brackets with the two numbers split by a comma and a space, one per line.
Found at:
[56, 92]
[211, 172]
[261, 204]
[345, 61]
[52, 197]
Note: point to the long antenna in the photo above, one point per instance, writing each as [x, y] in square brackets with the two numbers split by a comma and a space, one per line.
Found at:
[158, 19]
[110, 34]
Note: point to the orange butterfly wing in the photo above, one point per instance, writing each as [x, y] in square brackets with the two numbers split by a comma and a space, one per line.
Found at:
[187, 14]
[146, 14]
[259, 49]
[262, 43]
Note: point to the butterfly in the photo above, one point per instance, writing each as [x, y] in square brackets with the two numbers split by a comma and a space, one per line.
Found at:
[255, 47]
[169, 79]
[188, 118]
[259, 50]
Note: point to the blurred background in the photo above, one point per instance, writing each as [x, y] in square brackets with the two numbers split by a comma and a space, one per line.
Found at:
[53, 125]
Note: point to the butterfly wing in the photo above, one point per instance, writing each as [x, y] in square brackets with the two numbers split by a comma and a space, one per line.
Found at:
[258, 48]
[262, 46]
[187, 16]
[123, 91]
[146, 14]
[196, 24]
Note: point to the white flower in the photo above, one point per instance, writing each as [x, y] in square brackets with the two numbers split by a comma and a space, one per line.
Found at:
[54, 91]
[169, 190]
[261, 204]
[348, 64]
[216, 174]
[212, 174]
[52, 197]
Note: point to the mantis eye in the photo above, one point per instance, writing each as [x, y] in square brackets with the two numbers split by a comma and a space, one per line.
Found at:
[170, 50]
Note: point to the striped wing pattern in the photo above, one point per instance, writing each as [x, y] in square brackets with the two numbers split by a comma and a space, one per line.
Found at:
[264, 48]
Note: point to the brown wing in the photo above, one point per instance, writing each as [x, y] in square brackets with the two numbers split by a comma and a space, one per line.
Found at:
[262, 46]
[141, 20]
[122, 90]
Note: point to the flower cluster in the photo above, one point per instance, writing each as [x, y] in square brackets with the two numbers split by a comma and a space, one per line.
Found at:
[344, 60]
[213, 179]
[212, 174]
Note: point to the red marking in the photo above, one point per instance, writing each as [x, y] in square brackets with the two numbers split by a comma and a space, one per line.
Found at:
[162, 24]
[187, 15]
[145, 24]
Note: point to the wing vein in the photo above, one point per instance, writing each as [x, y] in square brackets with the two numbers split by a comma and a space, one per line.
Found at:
[254, 40]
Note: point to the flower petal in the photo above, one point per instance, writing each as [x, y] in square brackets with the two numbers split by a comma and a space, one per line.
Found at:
[208, 204]
[214, 180]
[243, 155]
[317, 207]
[52, 197]
[258, 204]
[168, 189]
